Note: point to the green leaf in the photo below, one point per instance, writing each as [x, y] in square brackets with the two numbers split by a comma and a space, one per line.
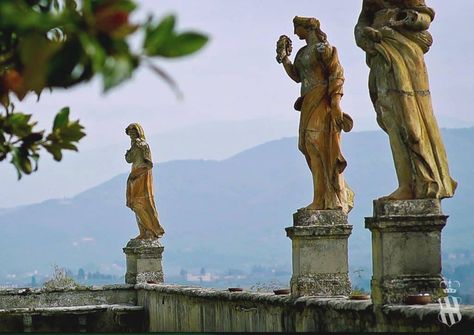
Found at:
[182, 45]
[116, 70]
[62, 119]
[94, 51]
[26, 166]
[21, 161]
[155, 37]
[16, 161]
[36, 53]
[65, 134]
[55, 150]
[32, 138]
[71, 4]
[72, 133]
[61, 65]
[17, 124]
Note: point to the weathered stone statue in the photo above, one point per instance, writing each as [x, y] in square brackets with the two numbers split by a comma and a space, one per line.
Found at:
[321, 75]
[406, 225]
[394, 35]
[140, 197]
[320, 231]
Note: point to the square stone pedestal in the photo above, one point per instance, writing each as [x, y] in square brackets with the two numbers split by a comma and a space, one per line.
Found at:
[319, 246]
[143, 261]
[406, 249]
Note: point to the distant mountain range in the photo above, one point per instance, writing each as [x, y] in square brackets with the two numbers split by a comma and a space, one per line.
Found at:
[225, 214]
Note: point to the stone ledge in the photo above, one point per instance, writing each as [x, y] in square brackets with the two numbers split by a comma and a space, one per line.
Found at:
[406, 223]
[40, 290]
[310, 217]
[39, 298]
[423, 311]
[341, 303]
[334, 231]
[148, 246]
[71, 309]
[421, 207]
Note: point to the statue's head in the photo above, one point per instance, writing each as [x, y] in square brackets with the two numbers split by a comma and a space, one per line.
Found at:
[135, 131]
[305, 25]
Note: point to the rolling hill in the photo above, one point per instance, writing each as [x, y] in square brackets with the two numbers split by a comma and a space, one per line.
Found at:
[225, 214]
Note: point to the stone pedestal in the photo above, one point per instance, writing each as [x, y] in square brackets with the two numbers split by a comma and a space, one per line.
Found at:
[144, 261]
[406, 249]
[319, 246]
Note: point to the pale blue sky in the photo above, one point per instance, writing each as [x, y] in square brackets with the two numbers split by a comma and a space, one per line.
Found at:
[233, 80]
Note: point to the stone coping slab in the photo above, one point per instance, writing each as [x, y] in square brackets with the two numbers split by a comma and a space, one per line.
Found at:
[341, 303]
[71, 309]
[40, 290]
[422, 311]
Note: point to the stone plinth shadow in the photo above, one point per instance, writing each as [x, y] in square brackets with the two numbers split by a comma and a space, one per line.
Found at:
[406, 249]
[319, 251]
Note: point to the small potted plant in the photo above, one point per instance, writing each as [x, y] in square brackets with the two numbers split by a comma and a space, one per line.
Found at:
[359, 294]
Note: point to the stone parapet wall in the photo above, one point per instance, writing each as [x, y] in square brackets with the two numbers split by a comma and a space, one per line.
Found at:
[37, 298]
[111, 308]
[173, 308]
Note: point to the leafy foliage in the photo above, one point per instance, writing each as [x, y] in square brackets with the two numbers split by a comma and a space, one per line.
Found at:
[61, 43]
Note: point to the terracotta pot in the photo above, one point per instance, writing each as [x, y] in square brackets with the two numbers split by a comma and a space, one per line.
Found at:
[418, 299]
[359, 297]
[282, 291]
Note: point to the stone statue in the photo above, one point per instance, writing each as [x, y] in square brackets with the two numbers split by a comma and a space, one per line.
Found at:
[394, 35]
[140, 197]
[317, 68]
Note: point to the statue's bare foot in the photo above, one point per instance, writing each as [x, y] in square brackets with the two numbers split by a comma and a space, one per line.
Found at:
[401, 193]
[314, 206]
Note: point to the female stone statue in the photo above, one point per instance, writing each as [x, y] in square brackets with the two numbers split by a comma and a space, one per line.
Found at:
[318, 70]
[140, 197]
[394, 35]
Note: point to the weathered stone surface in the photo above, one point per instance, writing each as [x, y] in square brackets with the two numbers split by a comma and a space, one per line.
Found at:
[110, 308]
[317, 68]
[321, 284]
[394, 34]
[310, 217]
[175, 308]
[147, 246]
[406, 249]
[144, 261]
[319, 252]
[323, 232]
[39, 298]
[89, 318]
[407, 207]
[140, 193]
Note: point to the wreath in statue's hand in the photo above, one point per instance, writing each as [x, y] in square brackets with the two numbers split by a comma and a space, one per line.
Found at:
[284, 48]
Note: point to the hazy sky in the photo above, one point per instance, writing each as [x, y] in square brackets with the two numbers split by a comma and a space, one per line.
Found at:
[236, 78]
